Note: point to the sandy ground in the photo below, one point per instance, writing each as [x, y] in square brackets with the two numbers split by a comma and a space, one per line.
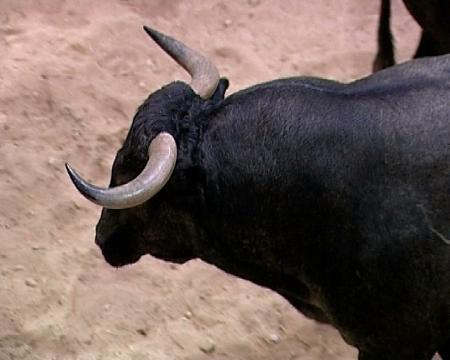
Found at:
[71, 76]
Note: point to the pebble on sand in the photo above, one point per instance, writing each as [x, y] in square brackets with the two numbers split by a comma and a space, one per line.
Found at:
[207, 346]
[30, 282]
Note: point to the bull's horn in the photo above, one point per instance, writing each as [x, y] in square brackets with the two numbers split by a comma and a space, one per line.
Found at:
[162, 158]
[205, 75]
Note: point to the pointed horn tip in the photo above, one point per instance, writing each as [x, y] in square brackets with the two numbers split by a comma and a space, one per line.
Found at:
[147, 29]
[73, 176]
[154, 34]
[78, 182]
[69, 170]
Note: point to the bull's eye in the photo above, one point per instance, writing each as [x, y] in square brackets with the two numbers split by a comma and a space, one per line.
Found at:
[125, 175]
[117, 179]
[121, 179]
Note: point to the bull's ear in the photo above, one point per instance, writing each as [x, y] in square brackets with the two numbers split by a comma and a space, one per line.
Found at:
[219, 94]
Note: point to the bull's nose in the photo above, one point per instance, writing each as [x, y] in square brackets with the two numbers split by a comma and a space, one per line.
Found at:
[99, 240]
[119, 247]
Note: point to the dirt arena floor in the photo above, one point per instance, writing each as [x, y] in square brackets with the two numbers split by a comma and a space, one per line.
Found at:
[71, 76]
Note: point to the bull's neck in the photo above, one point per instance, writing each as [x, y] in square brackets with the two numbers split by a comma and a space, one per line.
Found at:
[264, 209]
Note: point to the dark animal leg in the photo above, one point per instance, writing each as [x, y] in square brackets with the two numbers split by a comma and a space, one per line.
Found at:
[380, 355]
[427, 46]
[385, 55]
[444, 352]
[371, 356]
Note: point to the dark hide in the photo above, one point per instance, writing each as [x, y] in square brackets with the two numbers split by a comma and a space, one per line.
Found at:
[334, 195]
[433, 16]
[385, 56]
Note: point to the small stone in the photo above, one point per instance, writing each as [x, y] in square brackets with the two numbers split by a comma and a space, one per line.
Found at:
[52, 161]
[142, 85]
[142, 332]
[3, 118]
[227, 22]
[207, 346]
[188, 315]
[18, 268]
[274, 338]
[77, 205]
[30, 283]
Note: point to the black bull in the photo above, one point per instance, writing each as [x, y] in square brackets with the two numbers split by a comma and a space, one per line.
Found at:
[334, 195]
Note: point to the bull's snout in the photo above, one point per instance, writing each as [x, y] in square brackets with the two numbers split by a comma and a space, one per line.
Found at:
[100, 240]
[119, 246]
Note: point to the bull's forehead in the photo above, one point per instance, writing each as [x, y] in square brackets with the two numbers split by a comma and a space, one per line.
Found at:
[161, 111]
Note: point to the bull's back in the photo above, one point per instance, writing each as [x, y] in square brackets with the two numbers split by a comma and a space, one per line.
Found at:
[400, 115]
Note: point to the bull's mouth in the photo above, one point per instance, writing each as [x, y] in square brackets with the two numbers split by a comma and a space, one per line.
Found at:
[123, 247]
[119, 250]
[118, 258]
[176, 259]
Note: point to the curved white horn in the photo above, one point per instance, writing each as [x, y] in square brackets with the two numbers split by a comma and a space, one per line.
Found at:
[205, 76]
[162, 158]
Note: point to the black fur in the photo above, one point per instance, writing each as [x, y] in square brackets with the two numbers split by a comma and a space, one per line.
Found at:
[334, 195]
[385, 55]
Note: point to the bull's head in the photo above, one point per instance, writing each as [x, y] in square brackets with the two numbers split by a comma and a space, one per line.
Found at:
[131, 225]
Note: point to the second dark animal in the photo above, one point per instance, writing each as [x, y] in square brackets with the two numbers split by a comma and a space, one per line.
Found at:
[433, 16]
